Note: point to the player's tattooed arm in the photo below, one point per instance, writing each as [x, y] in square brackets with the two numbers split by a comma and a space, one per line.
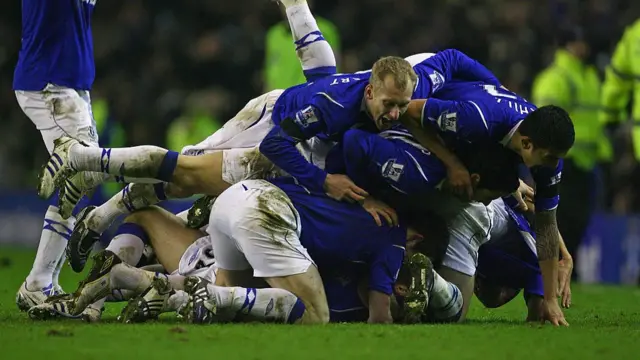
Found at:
[547, 235]
[547, 246]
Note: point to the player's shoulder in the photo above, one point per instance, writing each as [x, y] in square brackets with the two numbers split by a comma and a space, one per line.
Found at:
[344, 90]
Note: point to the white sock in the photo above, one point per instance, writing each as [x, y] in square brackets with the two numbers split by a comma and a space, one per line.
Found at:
[98, 304]
[56, 272]
[268, 304]
[128, 247]
[53, 241]
[445, 301]
[313, 51]
[127, 282]
[177, 300]
[176, 281]
[127, 277]
[139, 161]
[118, 295]
[133, 197]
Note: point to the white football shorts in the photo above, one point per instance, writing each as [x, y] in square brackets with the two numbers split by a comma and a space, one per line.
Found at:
[254, 225]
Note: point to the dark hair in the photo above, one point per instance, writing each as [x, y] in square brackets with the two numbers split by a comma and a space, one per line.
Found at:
[549, 127]
[496, 165]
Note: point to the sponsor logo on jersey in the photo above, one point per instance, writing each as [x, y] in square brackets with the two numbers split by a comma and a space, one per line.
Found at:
[448, 121]
[437, 81]
[555, 179]
[392, 170]
[306, 117]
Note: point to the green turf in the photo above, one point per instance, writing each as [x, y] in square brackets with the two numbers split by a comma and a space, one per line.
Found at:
[605, 322]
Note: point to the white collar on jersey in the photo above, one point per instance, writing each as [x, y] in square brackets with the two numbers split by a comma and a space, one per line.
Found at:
[507, 138]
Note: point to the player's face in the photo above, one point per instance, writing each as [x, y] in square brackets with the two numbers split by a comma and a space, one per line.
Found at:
[387, 103]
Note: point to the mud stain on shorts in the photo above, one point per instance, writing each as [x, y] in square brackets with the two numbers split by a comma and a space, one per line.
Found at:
[257, 166]
[276, 214]
[62, 105]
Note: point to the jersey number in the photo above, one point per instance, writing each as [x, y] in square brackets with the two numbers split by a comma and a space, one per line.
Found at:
[499, 92]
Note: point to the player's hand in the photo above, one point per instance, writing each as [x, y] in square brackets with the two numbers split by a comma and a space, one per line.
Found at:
[460, 181]
[522, 195]
[340, 187]
[565, 268]
[552, 313]
[379, 209]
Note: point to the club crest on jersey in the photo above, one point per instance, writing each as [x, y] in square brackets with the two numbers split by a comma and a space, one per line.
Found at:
[306, 117]
[392, 170]
[437, 81]
[555, 179]
[448, 121]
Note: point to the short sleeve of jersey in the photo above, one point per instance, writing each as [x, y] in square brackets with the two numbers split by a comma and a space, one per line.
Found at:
[463, 119]
[435, 71]
[547, 182]
[384, 268]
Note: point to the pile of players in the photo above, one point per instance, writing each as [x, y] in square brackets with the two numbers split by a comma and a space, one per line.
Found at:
[386, 196]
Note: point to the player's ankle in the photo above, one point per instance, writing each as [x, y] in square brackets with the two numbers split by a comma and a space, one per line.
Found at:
[37, 283]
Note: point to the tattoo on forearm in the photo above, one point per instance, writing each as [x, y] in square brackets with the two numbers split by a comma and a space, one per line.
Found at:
[547, 235]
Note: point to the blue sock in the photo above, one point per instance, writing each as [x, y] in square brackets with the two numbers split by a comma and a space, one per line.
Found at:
[168, 166]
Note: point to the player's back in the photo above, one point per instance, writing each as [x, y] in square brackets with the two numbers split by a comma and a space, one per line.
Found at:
[500, 108]
[337, 232]
[335, 100]
[57, 46]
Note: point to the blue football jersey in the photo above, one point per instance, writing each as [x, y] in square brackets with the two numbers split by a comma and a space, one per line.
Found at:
[57, 45]
[341, 286]
[337, 233]
[330, 106]
[475, 112]
[446, 66]
[388, 165]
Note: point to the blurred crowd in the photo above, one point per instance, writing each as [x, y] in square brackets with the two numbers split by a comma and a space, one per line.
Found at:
[160, 62]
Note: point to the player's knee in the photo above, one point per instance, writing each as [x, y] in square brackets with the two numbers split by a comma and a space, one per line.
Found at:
[176, 192]
[200, 174]
[143, 216]
[493, 296]
[187, 173]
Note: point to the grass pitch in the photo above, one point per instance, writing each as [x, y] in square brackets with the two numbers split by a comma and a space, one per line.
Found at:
[605, 323]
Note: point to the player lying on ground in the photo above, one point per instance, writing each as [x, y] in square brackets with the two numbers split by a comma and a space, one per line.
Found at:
[263, 220]
[366, 150]
[180, 250]
[345, 287]
[189, 174]
[326, 107]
